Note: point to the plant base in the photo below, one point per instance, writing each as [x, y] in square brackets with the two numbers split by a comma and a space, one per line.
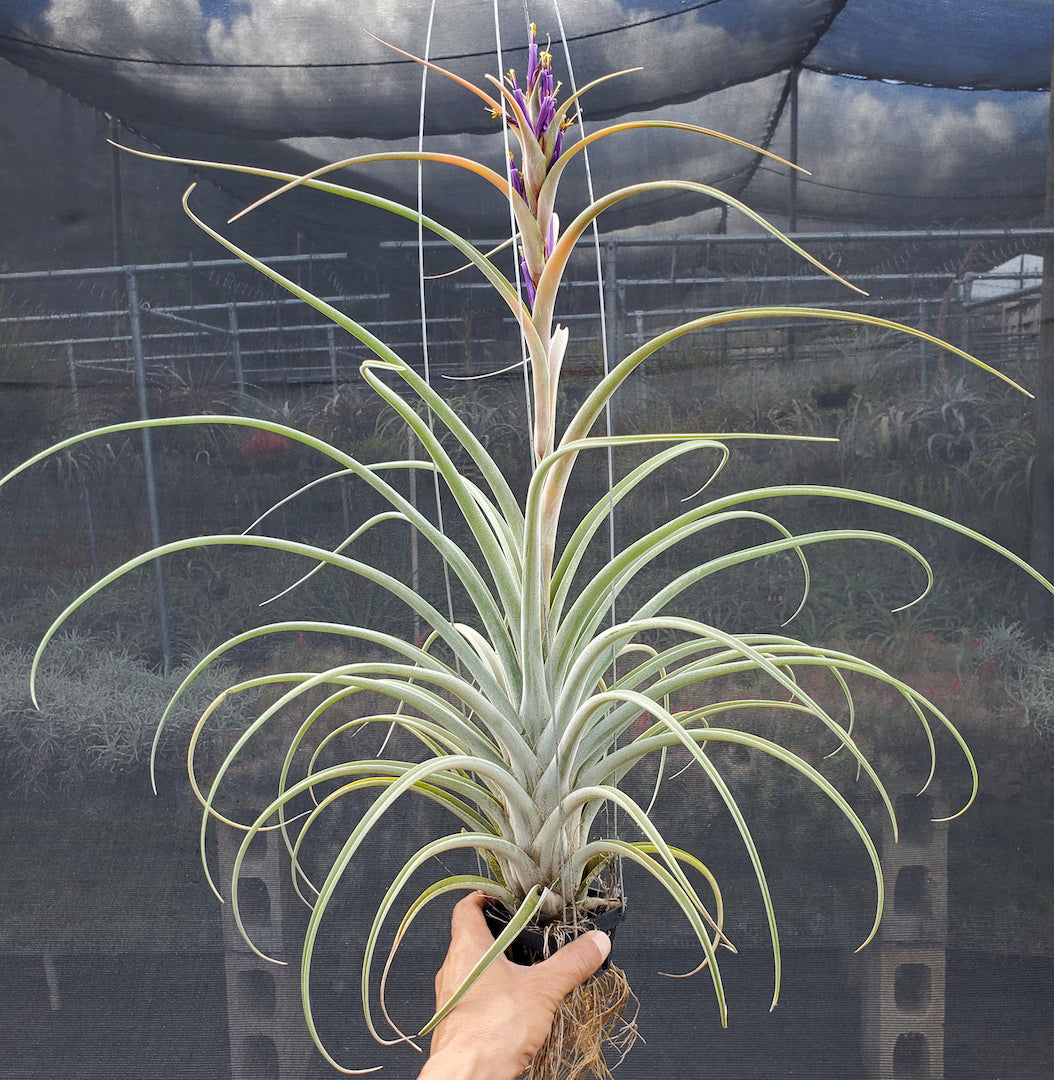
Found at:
[595, 1026]
[535, 942]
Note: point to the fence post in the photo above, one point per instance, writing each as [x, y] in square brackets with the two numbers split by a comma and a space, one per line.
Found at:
[345, 504]
[903, 988]
[268, 1037]
[236, 348]
[1041, 553]
[135, 320]
[72, 363]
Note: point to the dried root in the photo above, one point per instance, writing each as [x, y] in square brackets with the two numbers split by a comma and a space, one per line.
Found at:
[592, 1032]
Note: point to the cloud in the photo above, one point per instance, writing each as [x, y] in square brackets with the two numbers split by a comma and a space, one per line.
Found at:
[881, 151]
[152, 29]
[307, 72]
[311, 63]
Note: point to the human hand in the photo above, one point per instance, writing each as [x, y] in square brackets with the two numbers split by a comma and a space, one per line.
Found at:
[499, 1025]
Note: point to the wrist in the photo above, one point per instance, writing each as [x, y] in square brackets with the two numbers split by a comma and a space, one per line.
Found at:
[458, 1063]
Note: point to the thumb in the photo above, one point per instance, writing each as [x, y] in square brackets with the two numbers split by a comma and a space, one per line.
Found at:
[574, 962]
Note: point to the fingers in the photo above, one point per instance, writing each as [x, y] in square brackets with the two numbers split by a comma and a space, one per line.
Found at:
[467, 922]
[574, 962]
[569, 966]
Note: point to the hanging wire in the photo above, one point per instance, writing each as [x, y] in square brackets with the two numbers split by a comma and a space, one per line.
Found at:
[424, 318]
[513, 230]
[565, 863]
[611, 811]
[524, 362]
[424, 333]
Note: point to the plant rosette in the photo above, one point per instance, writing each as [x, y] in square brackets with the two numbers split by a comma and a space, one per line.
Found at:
[529, 706]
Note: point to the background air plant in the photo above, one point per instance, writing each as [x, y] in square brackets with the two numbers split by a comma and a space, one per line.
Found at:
[556, 676]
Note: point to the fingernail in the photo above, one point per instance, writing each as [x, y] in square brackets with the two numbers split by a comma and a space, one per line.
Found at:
[602, 942]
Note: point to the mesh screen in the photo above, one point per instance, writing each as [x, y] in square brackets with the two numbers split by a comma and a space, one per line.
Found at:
[962, 44]
[924, 124]
[283, 87]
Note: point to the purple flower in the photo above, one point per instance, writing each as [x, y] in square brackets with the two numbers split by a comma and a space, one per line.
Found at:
[517, 93]
[535, 103]
[558, 143]
[533, 111]
[545, 115]
[532, 56]
[528, 282]
[515, 177]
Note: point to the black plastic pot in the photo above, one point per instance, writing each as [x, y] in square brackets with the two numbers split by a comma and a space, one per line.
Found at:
[534, 943]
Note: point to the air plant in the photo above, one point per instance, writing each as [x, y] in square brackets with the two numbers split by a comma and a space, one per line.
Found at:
[527, 712]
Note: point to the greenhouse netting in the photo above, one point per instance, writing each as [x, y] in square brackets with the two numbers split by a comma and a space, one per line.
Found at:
[817, 332]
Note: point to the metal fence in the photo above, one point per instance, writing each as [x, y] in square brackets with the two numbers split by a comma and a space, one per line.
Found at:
[219, 322]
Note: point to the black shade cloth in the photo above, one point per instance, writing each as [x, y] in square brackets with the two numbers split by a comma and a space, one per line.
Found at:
[911, 111]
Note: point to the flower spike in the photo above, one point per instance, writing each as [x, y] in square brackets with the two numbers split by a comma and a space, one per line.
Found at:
[539, 125]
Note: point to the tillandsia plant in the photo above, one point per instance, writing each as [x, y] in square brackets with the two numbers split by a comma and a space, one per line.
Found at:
[526, 712]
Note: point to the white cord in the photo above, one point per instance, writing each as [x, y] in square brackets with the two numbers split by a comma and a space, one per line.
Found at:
[421, 286]
[513, 229]
[612, 811]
